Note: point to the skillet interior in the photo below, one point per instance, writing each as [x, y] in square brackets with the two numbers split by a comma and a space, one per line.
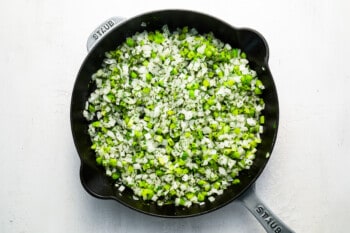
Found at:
[252, 43]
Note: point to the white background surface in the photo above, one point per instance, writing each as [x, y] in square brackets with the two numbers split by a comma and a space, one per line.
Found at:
[306, 181]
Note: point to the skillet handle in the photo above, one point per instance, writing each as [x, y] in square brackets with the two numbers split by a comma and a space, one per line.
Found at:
[262, 213]
[101, 30]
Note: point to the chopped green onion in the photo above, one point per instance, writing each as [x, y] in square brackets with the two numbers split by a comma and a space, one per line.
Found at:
[175, 116]
[130, 42]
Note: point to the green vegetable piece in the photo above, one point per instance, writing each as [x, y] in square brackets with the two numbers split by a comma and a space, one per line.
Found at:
[159, 131]
[201, 170]
[191, 94]
[159, 138]
[99, 160]
[181, 162]
[172, 126]
[149, 77]
[201, 196]
[182, 201]
[170, 142]
[174, 71]
[189, 196]
[130, 169]
[237, 70]
[236, 181]
[113, 84]
[112, 162]
[146, 166]
[96, 124]
[146, 90]
[257, 91]
[226, 129]
[105, 162]
[227, 151]
[191, 55]
[199, 134]
[93, 146]
[217, 185]
[216, 114]
[184, 156]
[233, 174]
[182, 36]
[138, 134]
[236, 155]
[211, 101]
[115, 175]
[215, 157]
[230, 83]
[166, 186]
[153, 54]
[178, 171]
[185, 29]
[150, 36]
[262, 120]
[159, 172]
[170, 112]
[258, 83]
[149, 125]
[206, 83]
[160, 83]
[213, 126]
[202, 182]
[130, 42]
[168, 150]
[111, 97]
[208, 53]
[91, 108]
[147, 194]
[133, 74]
[234, 53]
[150, 107]
[158, 37]
[246, 79]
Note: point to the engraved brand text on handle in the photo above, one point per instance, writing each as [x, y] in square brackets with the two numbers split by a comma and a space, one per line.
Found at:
[102, 30]
[271, 222]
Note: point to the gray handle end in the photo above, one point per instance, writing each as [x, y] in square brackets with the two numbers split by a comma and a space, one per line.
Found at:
[102, 30]
[262, 213]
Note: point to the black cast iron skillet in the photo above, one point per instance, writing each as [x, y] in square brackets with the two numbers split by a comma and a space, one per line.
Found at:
[112, 33]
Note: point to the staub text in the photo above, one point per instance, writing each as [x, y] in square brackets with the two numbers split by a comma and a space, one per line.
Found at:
[102, 30]
[271, 222]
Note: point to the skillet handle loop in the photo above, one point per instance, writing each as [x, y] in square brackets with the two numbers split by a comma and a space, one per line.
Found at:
[262, 213]
[101, 30]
